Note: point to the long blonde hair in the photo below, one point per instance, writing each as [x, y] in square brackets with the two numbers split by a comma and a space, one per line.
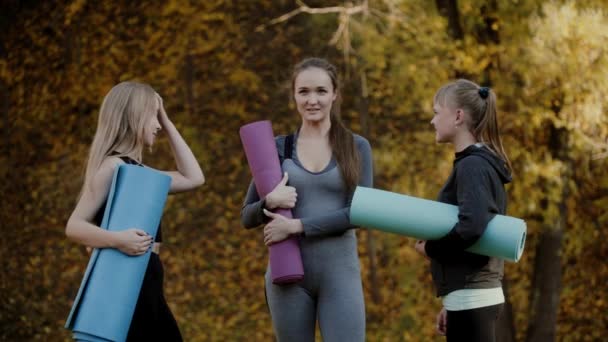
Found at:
[123, 116]
[480, 104]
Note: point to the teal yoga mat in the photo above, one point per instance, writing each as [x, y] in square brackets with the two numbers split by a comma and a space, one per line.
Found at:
[424, 219]
[105, 302]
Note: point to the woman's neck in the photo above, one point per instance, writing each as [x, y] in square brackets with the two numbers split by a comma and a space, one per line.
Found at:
[124, 150]
[463, 140]
[315, 129]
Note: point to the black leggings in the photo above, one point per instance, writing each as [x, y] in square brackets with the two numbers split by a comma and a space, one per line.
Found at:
[473, 325]
[153, 320]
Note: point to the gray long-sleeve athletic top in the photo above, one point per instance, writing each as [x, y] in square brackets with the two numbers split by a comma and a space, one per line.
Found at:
[323, 205]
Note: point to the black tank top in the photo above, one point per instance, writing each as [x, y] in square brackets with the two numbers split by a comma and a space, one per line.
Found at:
[100, 212]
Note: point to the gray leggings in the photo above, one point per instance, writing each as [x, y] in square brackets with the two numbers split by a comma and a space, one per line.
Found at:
[330, 292]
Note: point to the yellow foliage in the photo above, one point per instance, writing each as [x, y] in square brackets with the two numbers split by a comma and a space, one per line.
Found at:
[216, 73]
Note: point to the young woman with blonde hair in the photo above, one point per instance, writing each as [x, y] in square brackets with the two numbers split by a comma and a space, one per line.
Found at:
[131, 116]
[470, 284]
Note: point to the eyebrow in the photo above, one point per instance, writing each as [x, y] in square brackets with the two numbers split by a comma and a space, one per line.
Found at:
[306, 88]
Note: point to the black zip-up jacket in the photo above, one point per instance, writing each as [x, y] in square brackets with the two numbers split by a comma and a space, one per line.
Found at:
[476, 186]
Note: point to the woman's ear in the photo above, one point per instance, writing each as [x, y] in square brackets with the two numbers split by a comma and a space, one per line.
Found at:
[460, 117]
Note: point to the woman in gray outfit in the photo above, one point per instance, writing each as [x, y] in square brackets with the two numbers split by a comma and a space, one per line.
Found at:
[322, 162]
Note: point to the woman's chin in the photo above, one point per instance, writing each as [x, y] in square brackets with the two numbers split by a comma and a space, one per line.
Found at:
[439, 139]
[315, 118]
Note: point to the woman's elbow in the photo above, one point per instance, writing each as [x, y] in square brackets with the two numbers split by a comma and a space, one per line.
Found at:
[201, 180]
[197, 181]
[472, 235]
[246, 224]
[70, 231]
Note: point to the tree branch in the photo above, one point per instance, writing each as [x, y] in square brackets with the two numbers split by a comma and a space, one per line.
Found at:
[348, 10]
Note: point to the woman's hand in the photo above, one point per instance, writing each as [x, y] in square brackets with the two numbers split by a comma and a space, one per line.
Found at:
[133, 241]
[163, 118]
[282, 196]
[280, 228]
[420, 245]
[442, 322]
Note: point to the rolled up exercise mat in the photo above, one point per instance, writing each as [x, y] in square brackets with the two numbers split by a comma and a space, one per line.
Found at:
[258, 141]
[424, 219]
[104, 305]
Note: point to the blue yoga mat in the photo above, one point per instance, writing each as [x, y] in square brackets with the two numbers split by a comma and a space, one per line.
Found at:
[105, 302]
[423, 219]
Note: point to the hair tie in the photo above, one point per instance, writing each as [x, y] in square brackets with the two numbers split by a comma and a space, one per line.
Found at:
[484, 92]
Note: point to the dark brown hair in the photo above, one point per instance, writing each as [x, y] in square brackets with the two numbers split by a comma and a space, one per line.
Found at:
[341, 139]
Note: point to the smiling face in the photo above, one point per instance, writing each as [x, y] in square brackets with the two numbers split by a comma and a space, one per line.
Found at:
[314, 94]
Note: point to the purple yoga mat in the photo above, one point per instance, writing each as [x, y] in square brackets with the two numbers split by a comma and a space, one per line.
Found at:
[258, 142]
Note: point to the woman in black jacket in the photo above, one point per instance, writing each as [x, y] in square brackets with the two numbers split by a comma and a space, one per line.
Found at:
[469, 284]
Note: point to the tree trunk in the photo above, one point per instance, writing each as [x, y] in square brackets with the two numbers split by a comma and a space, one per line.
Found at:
[546, 286]
[4, 102]
[488, 34]
[449, 9]
[505, 327]
[547, 277]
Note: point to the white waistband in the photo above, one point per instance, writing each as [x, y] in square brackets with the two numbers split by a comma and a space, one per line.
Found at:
[467, 299]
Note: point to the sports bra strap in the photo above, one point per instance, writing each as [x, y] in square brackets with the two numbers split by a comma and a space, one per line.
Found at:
[288, 147]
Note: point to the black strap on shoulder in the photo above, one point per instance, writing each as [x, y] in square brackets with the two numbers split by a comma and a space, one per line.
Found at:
[288, 148]
[129, 161]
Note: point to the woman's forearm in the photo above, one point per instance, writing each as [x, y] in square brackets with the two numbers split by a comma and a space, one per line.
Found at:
[186, 163]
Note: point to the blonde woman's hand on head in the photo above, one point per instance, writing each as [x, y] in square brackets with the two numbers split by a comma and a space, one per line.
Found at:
[188, 174]
[163, 118]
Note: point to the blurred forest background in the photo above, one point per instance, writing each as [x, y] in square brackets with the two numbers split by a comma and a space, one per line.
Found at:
[220, 64]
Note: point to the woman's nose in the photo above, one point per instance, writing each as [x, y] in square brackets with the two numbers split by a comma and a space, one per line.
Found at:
[312, 99]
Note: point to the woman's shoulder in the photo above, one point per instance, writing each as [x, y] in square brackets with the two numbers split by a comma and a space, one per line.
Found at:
[361, 142]
[279, 141]
[474, 167]
[103, 176]
[359, 139]
[109, 164]
[112, 162]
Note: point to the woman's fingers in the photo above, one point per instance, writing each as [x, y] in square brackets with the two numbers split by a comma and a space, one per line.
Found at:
[268, 234]
[442, 322]
[271, 214]
[268, 239]
[283, 181]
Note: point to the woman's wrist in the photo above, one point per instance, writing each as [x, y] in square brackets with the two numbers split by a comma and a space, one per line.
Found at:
[268, 203]
[114, 239]
[297, 227]
[167, 125]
